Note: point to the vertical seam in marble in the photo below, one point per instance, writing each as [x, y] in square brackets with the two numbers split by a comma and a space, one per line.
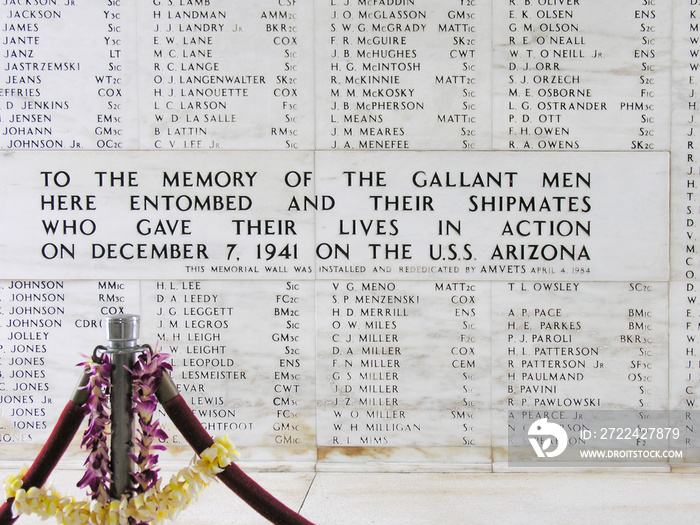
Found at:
[307, 492]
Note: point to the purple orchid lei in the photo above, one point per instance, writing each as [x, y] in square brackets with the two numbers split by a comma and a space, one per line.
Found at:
[145, 502]
[97, 470]
[146, 374]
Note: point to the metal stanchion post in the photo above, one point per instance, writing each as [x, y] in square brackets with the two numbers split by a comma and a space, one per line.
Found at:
[123, 334]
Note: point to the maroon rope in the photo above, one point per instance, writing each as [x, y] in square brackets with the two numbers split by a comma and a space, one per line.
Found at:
[199, 439]
[61, 436]
[232, 476]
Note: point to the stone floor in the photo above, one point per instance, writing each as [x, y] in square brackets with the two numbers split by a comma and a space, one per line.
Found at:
[452, 498]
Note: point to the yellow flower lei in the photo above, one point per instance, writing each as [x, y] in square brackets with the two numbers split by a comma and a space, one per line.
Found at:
[155, 505]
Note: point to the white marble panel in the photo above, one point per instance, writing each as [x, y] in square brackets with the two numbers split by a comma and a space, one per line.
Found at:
[225, 75]
[243, 359]
[68, 80]
[48, 328]
[556, 349]
[683, 312]
[581, 76]
[403, 370]
[394, 77]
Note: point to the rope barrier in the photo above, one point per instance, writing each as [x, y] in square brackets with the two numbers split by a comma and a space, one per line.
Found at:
[232, 476]
[63, 433]
[189, 426]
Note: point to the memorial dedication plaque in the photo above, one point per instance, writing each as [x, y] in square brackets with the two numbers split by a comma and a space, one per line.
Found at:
[370, 234]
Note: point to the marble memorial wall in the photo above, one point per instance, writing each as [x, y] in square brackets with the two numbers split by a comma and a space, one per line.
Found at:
[364, 230]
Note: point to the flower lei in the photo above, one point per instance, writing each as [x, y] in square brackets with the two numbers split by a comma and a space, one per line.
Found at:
[146, 374]
[97, 472]
[145, 501]
[154, 505]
